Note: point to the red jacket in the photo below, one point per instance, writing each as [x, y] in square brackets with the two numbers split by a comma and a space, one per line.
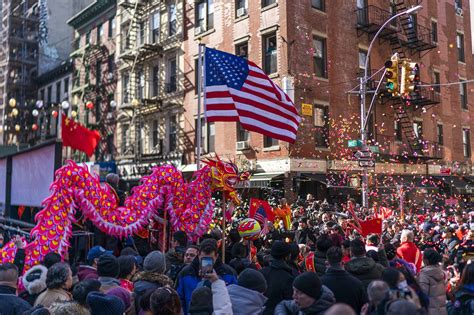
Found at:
[411, 254]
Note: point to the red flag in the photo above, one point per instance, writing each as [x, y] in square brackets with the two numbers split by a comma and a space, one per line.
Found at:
[79, 137]
[260, 209]
[370, 226]
[386, 212]
[238, 90]
[21, 210]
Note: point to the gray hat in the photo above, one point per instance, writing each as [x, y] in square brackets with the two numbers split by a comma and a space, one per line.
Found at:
[155, 262]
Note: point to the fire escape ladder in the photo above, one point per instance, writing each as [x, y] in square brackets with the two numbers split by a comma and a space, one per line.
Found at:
[415, 143]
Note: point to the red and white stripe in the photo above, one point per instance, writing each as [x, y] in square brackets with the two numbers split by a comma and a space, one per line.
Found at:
[260, 106]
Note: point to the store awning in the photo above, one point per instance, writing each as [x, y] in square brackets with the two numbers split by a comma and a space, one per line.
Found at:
[460, 184]
[261, 180]
[320, 178]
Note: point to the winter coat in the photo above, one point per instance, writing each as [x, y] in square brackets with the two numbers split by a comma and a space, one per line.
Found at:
[145, 281]
[319, 307]
[464, 303]
[108, 283]
[246, 301]
[220, 298]
[346, 288]
[432, 281]
[320, 265]
[279, 284]
[410, 252]
[365, 269]
[87, 272]
[189, 278]
[10, 304]
[48, 297]
[34, 285]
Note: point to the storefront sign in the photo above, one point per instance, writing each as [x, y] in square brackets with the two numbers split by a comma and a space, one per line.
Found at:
[307, 109]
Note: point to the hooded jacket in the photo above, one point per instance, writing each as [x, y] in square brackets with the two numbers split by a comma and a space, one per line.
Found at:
[34, 281]
[279, 284]
[410, 252]
[10, 304]
[87, 272]
[432, 281]
[189, 278]
[319, 307]
[145, 281]
[365, 269]
[246, 301]
[320, 263]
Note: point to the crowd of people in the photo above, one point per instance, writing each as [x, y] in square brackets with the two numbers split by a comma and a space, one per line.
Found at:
[419, 264]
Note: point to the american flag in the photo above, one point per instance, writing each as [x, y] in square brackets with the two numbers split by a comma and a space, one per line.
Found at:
[238, 90]
[261, 211]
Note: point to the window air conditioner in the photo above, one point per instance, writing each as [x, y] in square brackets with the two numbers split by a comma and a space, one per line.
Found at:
[459, 11]
[241, 145]
[241, 12]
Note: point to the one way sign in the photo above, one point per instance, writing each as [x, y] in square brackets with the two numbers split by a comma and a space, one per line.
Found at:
[363, 155]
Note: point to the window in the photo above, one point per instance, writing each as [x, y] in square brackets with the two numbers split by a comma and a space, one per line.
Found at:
[111, 27]
[241, 8]
[204, 16]
[141, 30]
[418, 129]
[173, 133]
[319, 56]
[398, 131]
[267, 3]
[362, 59]
[458, 4]
[98, 73]
[88, 37]
[50, 91]
[42, 95]
[124, 146]
[362, 12]
[321, 126]
[156, 142]
[460, 46]
[269, 142]
[463, 93]
[87, 69]
[125, 40]
[58, 92]
[155, 27]
[270, 57]
[100, 32]
[66, 86]
[171, 84]
[318, 4]
[434, 32]
[172, 22]
[155, 81]
[439, 134]
[242, 134]
[111, 64]
[211, 137]
[141, 84]
[437, 81]
[242, 50]
[125, 88]
[466, 142]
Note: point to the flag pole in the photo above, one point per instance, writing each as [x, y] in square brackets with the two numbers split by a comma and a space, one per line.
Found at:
[223, 225]
[200, 96]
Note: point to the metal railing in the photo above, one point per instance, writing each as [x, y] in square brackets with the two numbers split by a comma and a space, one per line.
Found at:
[389, 145]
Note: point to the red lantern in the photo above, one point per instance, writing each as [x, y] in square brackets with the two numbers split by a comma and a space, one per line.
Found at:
[89, 105]
[34, 127]
[54, 113]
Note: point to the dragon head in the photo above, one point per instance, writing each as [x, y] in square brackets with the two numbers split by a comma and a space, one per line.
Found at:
[225, 175]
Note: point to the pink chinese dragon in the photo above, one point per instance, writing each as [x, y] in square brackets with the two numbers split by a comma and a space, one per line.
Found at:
[189, 205]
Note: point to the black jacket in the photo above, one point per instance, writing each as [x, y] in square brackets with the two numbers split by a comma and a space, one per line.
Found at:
[320, 263]
[10, 304]
[302, 236]
[319, 307]
[279, 284]
[365, 269]
[346, 288]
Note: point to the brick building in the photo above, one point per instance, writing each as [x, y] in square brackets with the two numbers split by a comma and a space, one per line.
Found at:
[95, 73]
[316, 61]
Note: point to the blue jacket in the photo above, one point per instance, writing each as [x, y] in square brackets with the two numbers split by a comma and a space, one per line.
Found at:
[188, 280]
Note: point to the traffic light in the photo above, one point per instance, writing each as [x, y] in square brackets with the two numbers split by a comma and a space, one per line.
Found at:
[391, 75]
[410, 78]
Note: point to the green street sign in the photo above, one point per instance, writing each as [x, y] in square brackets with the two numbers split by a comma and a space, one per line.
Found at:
[374, 149]
[354, 143]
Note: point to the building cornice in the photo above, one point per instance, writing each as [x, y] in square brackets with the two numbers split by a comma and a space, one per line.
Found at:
[95, 9]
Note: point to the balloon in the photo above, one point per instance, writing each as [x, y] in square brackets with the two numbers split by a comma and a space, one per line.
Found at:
[90, 105]
[34, 127]
[35, 113]
[17, 127]
[249, 229]
[65, 105]
[54, 113]
[12, 102]
[113, 103]
[73, 114]
[15, 112]
[39, 103]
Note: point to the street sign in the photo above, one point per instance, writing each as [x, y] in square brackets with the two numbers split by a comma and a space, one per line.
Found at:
[363, 155]
[374, 148]
[366, 163]
[354, 143]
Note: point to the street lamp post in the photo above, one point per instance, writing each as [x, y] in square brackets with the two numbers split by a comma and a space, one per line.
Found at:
[363, 88]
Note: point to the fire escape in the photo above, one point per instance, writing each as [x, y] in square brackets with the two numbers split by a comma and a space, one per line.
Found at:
[407, 38]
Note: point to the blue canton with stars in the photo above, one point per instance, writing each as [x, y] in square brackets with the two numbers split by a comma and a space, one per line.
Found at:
[225, 69]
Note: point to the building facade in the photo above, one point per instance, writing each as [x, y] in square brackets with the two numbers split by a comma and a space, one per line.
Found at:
[151, 86]
[94, 81]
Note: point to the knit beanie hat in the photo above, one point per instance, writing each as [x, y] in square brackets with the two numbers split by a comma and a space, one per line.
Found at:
[155, 262]
[308, 283]
[122, 294]
[108, 266]
[253, 280]
[280, 249]
[201, 301]
[101, 304]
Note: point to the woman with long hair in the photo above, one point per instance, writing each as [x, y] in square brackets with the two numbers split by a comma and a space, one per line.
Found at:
[165, 301]
[432, 280]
